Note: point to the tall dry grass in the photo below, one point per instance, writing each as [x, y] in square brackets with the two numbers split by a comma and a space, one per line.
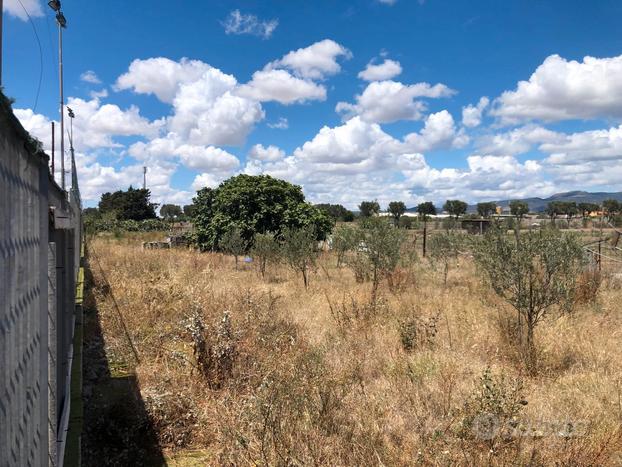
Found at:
[322, 377]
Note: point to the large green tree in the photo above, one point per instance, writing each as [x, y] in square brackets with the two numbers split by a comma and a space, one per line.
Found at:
[369, 208]
[455, 207]
[397, 210]
[170, 211]
[254, 204]
[611, 207]
[133, 204]
[519, 209]
[337, 212]
[486, 209]
[425, 210]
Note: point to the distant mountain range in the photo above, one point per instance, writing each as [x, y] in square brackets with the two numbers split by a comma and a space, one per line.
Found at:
[539, 204]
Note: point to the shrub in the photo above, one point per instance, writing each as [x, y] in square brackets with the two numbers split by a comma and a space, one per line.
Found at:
[418, 332]
[533, 273]
[299, 250]
[266, 249]
[380, 249]
[345, 240]
[233, 243]
[492, 411]
[444, 249]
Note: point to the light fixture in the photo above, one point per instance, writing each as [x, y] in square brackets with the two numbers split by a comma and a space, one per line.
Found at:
[62, 22]
[54, 5]
[70, 112]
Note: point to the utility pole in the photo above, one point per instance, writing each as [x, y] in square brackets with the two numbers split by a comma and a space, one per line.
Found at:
[62, 24]
[144, 178]
[53, 145]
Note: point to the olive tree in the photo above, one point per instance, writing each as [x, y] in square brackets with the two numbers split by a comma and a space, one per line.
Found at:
[381, 245]
[266, 249]
[345, 239]
[425, 210]
[444, 249]
[532, 273]
[233, 243]
[299, 250]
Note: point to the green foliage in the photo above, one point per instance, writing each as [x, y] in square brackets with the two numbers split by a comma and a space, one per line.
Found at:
[586, 208]
[397, 210]
[132, 204]
[299, 249]
[369, 208]
[408, 222]
[255, 204]
[532, 273]
[380, 250]
[455, 207]
[107, 222]
[612, 207]
[487, 209]
[493, 409]
[565, 208]
[170, 212]
[426, 209]
[233, 243]
[519, 209]
[444, 249]
[337, 212]
[266, 249]
[189, 210]
[345, 239]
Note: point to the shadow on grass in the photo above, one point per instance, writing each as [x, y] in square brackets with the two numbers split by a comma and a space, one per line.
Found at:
[117, 430]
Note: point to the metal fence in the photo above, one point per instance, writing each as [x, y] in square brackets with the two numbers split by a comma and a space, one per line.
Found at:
[40, 239]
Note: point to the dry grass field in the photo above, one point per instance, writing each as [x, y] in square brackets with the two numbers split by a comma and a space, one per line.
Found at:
[238, 370]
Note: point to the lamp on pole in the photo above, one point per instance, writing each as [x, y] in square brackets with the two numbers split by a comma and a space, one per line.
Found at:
[62, 24]
[74, 176]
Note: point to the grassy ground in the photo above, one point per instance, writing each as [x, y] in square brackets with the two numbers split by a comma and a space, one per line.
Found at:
[237, 369]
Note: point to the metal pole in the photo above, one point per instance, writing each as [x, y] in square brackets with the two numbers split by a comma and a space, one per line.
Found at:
[53, 144]
[62, 106]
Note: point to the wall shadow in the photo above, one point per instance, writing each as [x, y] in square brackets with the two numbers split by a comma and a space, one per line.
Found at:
[117, 429]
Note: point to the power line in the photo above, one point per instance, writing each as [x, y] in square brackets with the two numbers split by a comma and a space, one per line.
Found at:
[34, 29]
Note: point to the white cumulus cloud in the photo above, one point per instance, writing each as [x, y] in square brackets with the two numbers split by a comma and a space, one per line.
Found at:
[281, 86]
[472, 114]
[390, 101]
[315, 61]
[382, 71]
[563, 89]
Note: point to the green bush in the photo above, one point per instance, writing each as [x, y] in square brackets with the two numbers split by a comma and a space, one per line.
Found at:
[532, 272]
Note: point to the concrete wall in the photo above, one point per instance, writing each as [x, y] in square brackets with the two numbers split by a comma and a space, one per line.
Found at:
[38, 269]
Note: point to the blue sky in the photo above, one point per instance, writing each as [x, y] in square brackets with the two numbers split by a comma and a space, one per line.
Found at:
[371, 99]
